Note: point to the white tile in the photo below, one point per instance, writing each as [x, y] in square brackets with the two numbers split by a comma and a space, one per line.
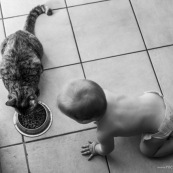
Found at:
[2, 35]
[163, 61]
[62, 155]
[105, 29]
[127, 158]
[155, 19]
[129, 74]
[79, 2]
[20, 7]
[12, 160]
[14, 24]
[8, 133]
[57, 38]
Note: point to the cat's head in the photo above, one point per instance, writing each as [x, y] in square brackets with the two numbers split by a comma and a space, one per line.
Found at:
[23, 100]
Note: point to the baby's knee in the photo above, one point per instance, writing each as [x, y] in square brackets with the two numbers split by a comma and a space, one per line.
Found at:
[144, 150]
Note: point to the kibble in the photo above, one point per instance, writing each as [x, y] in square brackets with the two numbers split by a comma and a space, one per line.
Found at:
[34, 119]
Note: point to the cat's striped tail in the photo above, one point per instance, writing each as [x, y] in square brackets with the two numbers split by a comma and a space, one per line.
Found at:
[34, 13]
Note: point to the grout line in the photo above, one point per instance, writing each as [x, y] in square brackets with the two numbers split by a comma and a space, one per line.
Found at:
[113, 56]
[60, 135]
[145, 46]
[49, 137]
[60, 8]
[75, 40]
[21, 15]
[52, 68]
[2, 20]
[106, 158]
[159, 47]
[87, 3]
[10, 145]
[26, 154]
[94, 60]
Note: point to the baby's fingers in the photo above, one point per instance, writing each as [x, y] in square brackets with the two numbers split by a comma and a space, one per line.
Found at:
[86, 152]
[90, 157]
[85, 146]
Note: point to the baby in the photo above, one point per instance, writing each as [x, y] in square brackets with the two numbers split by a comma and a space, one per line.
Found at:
[149, 115]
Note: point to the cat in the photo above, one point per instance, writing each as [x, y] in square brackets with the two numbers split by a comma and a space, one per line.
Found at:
[21, 65]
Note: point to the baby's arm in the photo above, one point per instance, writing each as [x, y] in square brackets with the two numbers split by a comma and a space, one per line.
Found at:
[156, 147]
[104, 147]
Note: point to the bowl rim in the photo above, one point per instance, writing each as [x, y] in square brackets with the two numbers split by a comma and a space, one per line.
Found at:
[48, 113]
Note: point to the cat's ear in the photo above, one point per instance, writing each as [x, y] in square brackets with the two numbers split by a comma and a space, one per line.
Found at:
[3, 45]
[11, 102]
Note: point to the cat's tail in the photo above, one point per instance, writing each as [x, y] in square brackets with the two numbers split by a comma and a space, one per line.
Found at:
[34, 13]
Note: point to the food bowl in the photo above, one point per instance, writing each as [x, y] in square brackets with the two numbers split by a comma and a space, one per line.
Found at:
[34, 124]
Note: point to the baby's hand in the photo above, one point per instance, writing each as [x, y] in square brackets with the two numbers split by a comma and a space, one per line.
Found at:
[89, 149]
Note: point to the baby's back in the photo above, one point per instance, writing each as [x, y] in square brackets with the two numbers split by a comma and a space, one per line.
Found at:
[129, 116]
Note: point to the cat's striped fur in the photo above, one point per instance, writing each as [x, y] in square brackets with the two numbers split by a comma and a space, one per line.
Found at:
[21, 65]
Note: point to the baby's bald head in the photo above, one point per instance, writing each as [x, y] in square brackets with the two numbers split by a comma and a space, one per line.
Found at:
[82, 100]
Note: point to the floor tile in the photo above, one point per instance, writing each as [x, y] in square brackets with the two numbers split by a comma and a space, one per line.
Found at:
[20, 7]
[163, 61]
[127, 158]
[129, 74]
[79, 2]
[8, 133]
[13, 160]
[55, 33]
[105, 29]
[52, 81]
[2, 36]
[14, 24]
[62, 154]
[57, 39]
[155, 20]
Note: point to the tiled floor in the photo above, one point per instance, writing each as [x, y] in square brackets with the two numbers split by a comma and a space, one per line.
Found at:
[124, 45]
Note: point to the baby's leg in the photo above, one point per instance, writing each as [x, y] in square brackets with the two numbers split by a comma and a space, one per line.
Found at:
[153, 147]
[166, 149]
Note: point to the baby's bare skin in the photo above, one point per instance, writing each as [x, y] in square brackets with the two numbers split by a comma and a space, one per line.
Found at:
[126, 116]
[149, 115]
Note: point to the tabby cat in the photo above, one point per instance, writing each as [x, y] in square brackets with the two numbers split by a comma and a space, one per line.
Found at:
[21, 65]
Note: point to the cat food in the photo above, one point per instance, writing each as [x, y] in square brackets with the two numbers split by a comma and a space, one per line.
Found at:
[34, 119]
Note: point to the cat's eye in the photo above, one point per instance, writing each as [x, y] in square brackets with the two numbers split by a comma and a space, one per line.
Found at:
[9, 97]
